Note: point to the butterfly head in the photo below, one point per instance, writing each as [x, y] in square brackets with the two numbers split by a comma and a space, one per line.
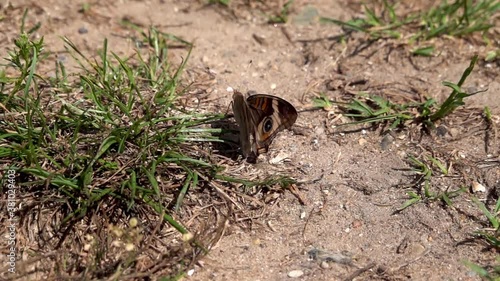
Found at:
[261, 118]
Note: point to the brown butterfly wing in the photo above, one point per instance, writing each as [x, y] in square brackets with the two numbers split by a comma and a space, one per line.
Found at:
[246, 125]
[271, 115]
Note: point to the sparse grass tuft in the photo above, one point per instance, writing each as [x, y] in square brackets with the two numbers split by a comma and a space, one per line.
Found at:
[375, 109]
[374, 25]
[490, 273]
[492, 237]
[368, 108]
[458, 18]
[424, 170]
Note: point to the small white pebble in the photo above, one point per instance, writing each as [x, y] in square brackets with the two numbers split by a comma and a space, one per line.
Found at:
[477, 187]
[230, 89]
[273, 86]
[295, 273]
[302, 215]
[190, 272]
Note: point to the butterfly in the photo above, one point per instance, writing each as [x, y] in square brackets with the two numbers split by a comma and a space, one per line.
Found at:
[260, 118]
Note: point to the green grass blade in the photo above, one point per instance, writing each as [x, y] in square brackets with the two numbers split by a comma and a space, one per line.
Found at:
[493, 220]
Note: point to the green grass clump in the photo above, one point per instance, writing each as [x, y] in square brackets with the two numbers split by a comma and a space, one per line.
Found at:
[114, 139]
[106, 142]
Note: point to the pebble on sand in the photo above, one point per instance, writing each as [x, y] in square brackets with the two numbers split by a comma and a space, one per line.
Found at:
[295, 273]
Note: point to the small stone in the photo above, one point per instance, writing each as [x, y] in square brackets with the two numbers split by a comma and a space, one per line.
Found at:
[295, 273]
[454, 132]
[325, 265]
[402, 154]
[260, 39]
[273, 86]
[362, 141]
[319, 130]
[302, 215]
[416, 250]
[441, 131]
[229, 89]
[386, 142]
[357, 223]
[82, 30]
[477, 187]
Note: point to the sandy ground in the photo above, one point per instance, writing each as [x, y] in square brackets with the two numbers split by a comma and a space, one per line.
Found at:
[354, 181]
